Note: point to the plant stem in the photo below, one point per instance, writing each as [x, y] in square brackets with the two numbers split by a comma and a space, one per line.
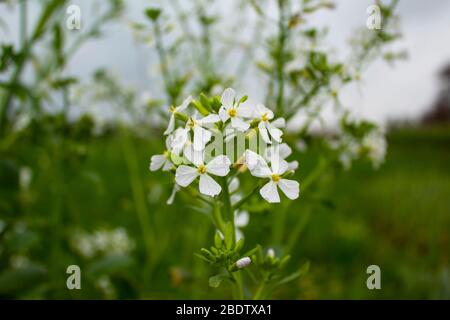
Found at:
[228, 210]
[162, 55]
[259, 292]
[280, 60]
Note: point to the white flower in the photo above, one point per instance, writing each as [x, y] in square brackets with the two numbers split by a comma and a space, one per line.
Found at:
[174, 110]
[162, 160]
[259, 168]
[201, 135]
[271, 253]
[178, 140]
[267, 129]
[219, 166]
[234, 185]
[376, 144]
[243, 262]
[283, 151]
[231, 109]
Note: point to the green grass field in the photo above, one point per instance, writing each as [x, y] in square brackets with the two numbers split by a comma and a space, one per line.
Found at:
[397, 217]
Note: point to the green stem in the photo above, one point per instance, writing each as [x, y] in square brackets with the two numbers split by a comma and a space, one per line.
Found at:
[228, 210]
[164, 65]
[259, 294]
[282, 36]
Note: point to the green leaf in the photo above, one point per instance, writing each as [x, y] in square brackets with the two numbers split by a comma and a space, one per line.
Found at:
[216, 280]
[199, 106]
[153, 13]
[302, 271]
[229, 235]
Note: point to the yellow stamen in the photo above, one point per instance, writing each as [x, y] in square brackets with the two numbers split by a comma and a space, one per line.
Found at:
[265, 117]
[201, 169]
[276, 177]
[166, 154]
[172, 109]
[232, 112]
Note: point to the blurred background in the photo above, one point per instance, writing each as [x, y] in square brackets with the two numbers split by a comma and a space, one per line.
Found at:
[84, 109]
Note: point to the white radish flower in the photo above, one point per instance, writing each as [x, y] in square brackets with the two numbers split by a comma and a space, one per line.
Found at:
[259, 168]
[267, 129]
[219, 166]
[178, 140]
[200, 128]
[171, 199]
[283, 151]
[243, 262]
[162, 160]
[234, 111]
[175, 110]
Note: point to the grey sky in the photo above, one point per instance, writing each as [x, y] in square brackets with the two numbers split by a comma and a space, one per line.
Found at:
[405, 90]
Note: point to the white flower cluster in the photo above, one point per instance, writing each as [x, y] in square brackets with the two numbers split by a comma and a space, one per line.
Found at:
[186, 147]
[102, 241]
[373, 146]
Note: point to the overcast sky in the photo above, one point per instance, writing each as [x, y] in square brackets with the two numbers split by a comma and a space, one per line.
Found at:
[404, 90]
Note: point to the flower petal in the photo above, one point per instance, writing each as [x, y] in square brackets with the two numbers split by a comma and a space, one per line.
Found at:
[239, 124]
[156, 162]
[275, 133]
[257, 165]
[241, 219]
[208, 186]
[171, 125]
[219, 166]
[234, 185]
[185, 175]
[228, 97]
[290, 188]
[270, 193]
[167, 165]
[293, 165]
[245, 110]
[201, 138]
[184, 105]
[194, 156]
[263, 132]
[284, 151]
[209, 119]
[223, 114]
[279, 123]
[278, 165]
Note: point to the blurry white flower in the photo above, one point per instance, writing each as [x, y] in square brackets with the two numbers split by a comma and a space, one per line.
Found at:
[271, 253]
[219, 166]
[376, 144]
[259, 168]
[174, 110]
[19, 261]
[241, 219]
[234, 185]
[102, 241]
[267, 129]
[231, 109]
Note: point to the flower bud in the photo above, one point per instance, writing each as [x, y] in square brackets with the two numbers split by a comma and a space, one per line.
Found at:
[243, 262]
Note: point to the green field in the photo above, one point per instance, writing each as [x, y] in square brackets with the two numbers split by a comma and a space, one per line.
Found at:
[397, 217]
